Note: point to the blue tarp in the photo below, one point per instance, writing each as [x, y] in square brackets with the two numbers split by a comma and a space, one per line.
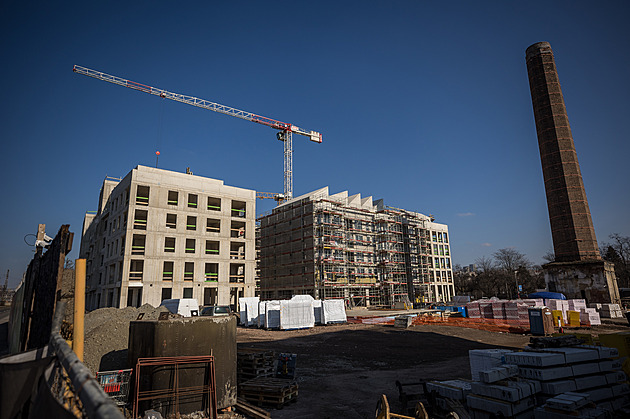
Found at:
[548, 295]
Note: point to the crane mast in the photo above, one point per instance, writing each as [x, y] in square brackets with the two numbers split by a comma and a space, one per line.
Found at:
[285, 130]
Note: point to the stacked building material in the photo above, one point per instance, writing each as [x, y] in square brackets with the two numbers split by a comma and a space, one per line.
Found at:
[444, 392]
[253, 363]
[498, 309]
[559, 305]
[590, 317]
[296, 314]
[249, 307]
[473, 310]
[569, 405]
[498, 393]
[516, 312]
[333, 311]
[587, 369]
[485, 359]
[485, 309]
[576, 305]
[611, 311]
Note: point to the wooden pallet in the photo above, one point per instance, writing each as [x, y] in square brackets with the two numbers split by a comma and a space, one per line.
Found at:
[269, 391]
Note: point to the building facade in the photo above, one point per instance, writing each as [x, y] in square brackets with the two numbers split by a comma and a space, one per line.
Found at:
[159, 234]
[340, 246]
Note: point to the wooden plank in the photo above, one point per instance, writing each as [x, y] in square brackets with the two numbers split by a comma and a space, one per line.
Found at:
[251, 410]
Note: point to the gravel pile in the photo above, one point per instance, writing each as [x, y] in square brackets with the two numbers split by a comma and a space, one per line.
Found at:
[107, 335]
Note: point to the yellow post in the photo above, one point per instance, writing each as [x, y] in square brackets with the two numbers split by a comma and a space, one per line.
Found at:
[79, 308]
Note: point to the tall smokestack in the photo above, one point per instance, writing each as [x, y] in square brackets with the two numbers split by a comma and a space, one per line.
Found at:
[570, 218]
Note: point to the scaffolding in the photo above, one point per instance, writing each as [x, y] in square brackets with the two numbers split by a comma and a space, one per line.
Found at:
[324, 246]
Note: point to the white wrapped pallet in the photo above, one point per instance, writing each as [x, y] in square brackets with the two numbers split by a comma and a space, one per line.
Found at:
[302, 297]
[248, 310]
[333, 311]
[317, 311]
[272, 314]
[296, 314]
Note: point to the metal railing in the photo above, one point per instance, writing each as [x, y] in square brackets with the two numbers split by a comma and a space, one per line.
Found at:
[77, 378]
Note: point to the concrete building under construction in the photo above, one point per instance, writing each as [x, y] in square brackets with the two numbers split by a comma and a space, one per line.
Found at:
[159, 234]
[340, 246]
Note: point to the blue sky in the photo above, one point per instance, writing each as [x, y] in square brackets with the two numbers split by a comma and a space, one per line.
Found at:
[424, 104]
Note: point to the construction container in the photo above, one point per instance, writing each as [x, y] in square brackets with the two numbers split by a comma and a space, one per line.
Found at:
[541, 321]
[192, 336]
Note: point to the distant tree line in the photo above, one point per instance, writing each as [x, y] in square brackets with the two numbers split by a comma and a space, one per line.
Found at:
[502, 273]
[500, 276]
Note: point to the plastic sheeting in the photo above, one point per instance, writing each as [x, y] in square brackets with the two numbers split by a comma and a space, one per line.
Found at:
[333, 311]
[272, 314]
[249, 310]
[296, 314]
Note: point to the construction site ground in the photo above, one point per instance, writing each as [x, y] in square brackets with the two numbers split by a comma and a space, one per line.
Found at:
[343, 369]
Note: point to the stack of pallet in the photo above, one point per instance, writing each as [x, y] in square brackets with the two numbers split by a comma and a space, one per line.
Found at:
[253, 363]
[516, 312]
[269, 391]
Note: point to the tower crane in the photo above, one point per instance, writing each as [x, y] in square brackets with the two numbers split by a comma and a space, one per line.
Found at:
[284, 134]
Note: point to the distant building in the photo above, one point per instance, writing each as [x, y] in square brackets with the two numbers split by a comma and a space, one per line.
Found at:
[340, 246]
[159, 234]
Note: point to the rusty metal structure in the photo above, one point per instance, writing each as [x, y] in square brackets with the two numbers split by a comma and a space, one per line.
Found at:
[173, 395]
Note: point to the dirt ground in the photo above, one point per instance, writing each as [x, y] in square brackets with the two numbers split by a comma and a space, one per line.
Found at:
[343, 369]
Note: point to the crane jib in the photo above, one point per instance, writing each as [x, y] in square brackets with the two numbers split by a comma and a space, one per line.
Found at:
[226, 110]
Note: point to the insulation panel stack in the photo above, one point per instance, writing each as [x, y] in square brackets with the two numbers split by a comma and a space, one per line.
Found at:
[611, 311]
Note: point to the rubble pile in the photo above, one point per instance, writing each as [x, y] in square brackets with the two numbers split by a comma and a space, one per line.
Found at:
[107, 335]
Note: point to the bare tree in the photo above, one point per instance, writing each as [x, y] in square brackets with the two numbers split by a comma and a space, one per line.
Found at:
[550, 256]
[618, 252]
[510, 260]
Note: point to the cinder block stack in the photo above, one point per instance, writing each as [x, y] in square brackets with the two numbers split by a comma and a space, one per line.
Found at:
[485, 359]
[587, 369]
[569, 405]
[500, 392]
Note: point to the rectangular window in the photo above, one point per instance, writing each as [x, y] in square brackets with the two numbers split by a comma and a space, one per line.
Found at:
[173, 196]
[188, 293]
[212, 247]
[237, 230]
[140, 219]
[190, 245]
[189, 271]
[169, 244]
[171, 220]
[167, 293]
[214, 204]
[213, 225]
[191, 223]
[192, 200]
[167, 271]
[142, 195]
[237, 272]
[138, 244]
[445, 237]
[136, 270]
[212, 272]
[237, 250]
[238, 209]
